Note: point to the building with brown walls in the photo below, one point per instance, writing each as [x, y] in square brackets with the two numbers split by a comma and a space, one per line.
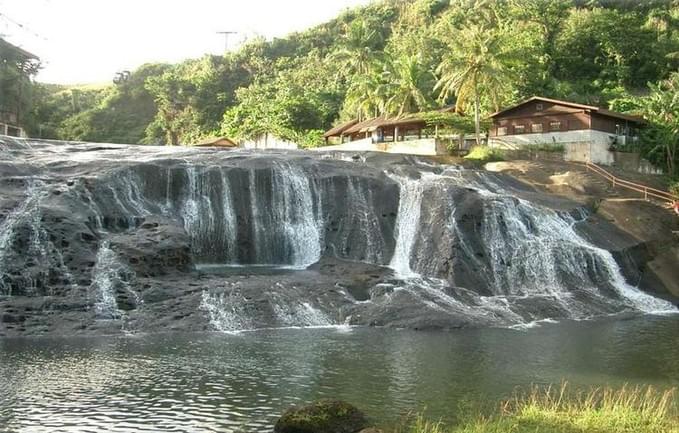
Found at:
[587, 133]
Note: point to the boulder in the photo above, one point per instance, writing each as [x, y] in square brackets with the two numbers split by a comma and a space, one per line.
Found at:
[323, 416]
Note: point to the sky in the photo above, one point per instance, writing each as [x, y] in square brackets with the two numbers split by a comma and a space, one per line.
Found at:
[88, 41]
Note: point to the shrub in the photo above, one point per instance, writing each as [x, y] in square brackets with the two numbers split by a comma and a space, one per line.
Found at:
[674, 188]
[483, 154]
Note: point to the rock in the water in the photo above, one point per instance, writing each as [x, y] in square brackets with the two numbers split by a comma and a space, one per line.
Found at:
[323, 416]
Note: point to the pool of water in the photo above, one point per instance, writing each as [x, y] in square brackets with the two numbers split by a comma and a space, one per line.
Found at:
[242, 382]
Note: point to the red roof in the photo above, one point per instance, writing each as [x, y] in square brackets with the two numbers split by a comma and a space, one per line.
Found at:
[591, 108]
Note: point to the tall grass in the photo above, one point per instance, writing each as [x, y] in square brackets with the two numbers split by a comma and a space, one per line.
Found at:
[562, 410]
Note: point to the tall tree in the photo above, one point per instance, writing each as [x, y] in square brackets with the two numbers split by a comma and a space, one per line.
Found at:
[478, 65]
[409, 84]
[661, 137]
[359, 48]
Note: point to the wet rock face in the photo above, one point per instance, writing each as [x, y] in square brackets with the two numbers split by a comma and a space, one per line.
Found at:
[105, 240]
[159, 246]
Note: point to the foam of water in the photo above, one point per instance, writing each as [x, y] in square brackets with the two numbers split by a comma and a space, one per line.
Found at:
[226, 311]
[301, 314]
[407, 225]
[110, 276]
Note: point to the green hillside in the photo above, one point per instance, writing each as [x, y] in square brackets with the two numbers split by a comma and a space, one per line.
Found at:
[391, 57]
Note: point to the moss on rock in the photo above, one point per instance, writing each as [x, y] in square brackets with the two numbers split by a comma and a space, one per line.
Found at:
[323, 416]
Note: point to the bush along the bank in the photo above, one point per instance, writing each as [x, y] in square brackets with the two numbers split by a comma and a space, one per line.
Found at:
[483, 154]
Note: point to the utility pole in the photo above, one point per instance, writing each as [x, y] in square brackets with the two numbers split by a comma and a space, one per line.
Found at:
[226, 38]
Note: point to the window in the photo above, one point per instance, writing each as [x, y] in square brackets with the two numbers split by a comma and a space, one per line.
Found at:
[502, 130]
[538, 107]
[536, 127]
[555, 126]
[519, 129]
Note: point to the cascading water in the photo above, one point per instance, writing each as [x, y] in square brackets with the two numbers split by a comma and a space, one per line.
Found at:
[286, 230]
[110, 278]
[465, 247]
[23, 236]
[407, 224]
[534, 252]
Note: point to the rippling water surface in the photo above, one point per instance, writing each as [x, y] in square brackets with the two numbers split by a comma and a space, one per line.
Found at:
[217, 382]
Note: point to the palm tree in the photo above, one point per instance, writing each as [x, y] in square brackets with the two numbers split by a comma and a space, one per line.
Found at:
[478, 65]
[407, 78]
[661, 109]
[360, 49]
[366, 95]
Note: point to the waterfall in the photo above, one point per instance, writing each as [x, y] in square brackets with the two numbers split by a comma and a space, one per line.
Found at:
[466, 247]
[24, 237]
[110, 277]
[284, 226]
[407, 224]
[294, 207]
[537, 252]
[199, 214]
[229, 228]
[364, 221]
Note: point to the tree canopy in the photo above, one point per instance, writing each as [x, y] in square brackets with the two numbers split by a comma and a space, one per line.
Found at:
[383, 59]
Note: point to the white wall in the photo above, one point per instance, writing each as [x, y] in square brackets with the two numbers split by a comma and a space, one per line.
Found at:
[268, 141]
[365, 145]
[582, 146]
[424, 146]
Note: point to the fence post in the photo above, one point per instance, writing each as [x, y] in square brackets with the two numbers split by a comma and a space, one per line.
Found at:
[645, 193]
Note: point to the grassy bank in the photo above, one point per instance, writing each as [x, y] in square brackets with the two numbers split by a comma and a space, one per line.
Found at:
[484, 154]
[562, 410]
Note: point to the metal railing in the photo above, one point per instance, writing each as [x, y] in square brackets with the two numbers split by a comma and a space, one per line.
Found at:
[647, 191]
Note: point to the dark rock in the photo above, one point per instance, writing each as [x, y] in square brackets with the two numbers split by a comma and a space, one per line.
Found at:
[162, 215]
[324, 416]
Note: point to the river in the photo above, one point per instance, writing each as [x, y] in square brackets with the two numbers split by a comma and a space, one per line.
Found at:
[219, 382]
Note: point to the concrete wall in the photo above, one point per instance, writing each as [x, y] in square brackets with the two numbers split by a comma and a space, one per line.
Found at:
[268, 141]
[424, 146]
[365, 145]
[580, 146]
[634, 162]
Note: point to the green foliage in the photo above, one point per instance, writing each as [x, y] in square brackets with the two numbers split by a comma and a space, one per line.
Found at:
[16, 85]
[483, 154]
[301, 100]
[478, 64]
[389, 58]
[559, 410]
[660, 139]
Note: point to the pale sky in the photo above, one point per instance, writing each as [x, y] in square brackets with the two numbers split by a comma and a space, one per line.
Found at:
[88, 41]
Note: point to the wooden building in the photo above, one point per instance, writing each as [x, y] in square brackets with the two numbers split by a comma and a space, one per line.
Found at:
[587, 133]
[410, 133]
[12, 109]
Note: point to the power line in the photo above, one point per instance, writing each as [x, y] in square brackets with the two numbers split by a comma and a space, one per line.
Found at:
[22, 26]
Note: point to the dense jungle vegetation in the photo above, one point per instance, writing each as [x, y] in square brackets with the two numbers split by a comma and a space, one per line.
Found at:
[389, 58]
